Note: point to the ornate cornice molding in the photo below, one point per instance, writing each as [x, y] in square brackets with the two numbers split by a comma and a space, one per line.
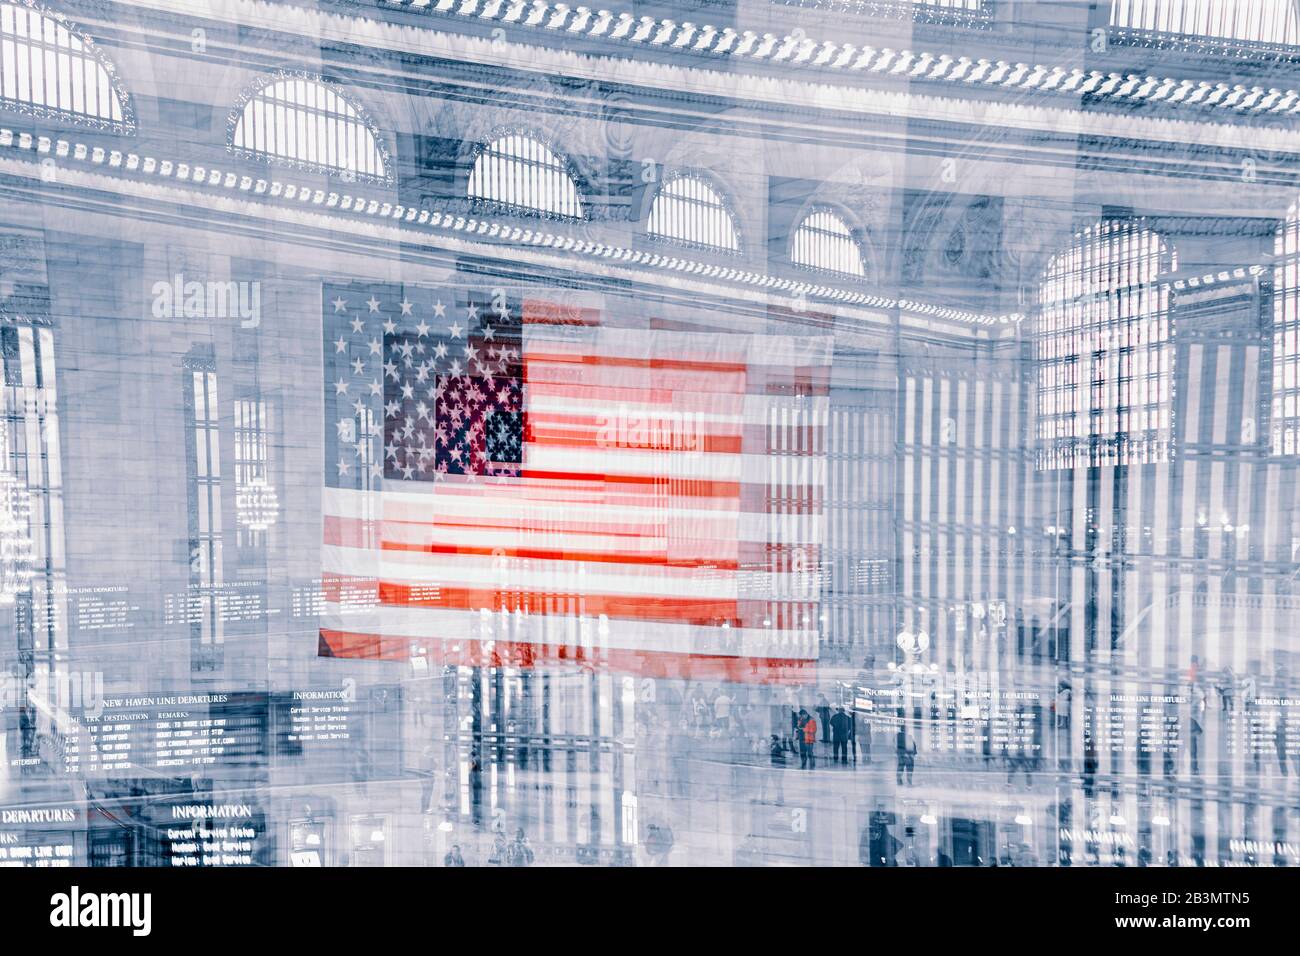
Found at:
[808, 54]
[209, 187]
[823, 79]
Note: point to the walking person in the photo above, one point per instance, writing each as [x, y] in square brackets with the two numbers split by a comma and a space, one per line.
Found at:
[722, 711]
[877, 845]
[476, 785]
[659, 843]
[1197, 725]
[429, 783]
[1061, 735]
[500, 850]
[840, 727]
[519, 853]
[808, 742]
[906, 745]
[1227, 689]
[862, 733]
[824, 715]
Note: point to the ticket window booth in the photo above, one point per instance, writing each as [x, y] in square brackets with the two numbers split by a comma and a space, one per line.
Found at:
[916, 839]
[1016, 844]
[109, 846]
[882, 843]
[369, 840]
[307, 842]
[972, 842]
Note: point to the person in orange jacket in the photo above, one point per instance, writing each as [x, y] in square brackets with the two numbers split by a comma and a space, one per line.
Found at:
[808, 742]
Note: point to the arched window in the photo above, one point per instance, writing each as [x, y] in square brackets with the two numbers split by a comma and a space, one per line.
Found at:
[1254, 21]
[1104, 351]
[972, 5]
[1286, 336]
[521, 174]
[824, 242]
[48, 69]
[305, 122]
[687, 209]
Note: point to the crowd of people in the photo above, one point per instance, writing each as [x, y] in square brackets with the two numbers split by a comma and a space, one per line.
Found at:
[756, 732]
[723, 724]
[837, 727]
[504, 851]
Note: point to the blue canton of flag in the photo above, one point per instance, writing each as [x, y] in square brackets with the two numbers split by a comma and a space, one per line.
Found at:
[421, 384]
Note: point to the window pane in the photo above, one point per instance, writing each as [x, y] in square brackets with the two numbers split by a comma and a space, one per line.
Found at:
[523, 174]
[304, 122]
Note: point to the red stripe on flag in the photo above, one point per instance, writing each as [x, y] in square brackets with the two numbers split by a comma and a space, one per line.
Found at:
[709, 611]
[546, 432]
[777, 615]
[686, 488]
[701, 366]
[557, 554]
[753, 670]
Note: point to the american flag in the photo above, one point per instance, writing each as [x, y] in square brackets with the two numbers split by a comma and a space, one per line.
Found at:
[510, 480]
